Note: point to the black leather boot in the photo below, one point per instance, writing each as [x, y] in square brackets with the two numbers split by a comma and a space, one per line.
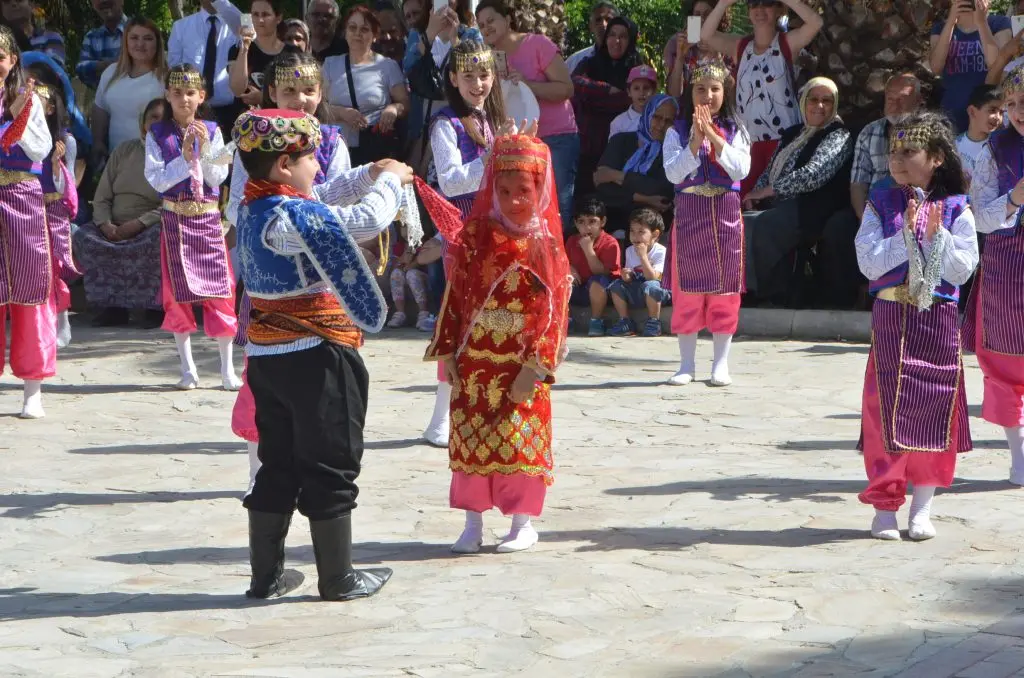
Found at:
[332, 546]
[267, 532]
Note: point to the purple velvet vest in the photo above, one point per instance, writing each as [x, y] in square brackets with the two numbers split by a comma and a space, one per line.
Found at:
[1008, 152]
[889, 200]
[468, 148]
[16, 160]
[709, 172]
[329, 140]
[169, 139]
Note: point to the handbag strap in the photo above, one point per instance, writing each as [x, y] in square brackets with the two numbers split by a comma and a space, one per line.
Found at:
[351, 82]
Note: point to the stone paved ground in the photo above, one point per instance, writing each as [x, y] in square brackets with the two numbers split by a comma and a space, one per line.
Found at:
[690, 532]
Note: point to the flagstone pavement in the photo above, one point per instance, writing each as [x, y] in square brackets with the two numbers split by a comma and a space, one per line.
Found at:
[690, 531]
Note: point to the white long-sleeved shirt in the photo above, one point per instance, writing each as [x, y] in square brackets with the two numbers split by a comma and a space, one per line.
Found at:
[877, 255]
[986, 200]
[681, 164]
[162, 176]
[36, 141]
[453, 176]
[187, 45]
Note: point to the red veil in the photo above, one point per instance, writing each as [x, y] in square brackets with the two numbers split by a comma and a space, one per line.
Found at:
[483, 249]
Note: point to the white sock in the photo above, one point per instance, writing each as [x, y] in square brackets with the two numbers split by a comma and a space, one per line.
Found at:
[1015, 437]
[227, 367]
[254, 465]
[720, 363]
[63, 330]
[687, 360]
[472, 535]
[32, 408]
[920, 513]
[884, 526]
[521, 537]
[184, 342]
[438, 429]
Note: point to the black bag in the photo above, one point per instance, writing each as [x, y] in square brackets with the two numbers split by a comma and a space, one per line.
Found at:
[426, 80]
[373, 145]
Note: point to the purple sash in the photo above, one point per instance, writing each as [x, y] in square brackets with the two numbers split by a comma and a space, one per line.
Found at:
[196, 256]
[26, 270]
[58, 221]
[707, 244]
[920, 376]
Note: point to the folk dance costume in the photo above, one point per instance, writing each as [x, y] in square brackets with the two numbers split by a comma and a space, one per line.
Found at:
[706, 272]
[459, 146]
[312, 294]
[27, 286]
[914, 419]
[193, 257]
[504, 315]
[994, 324]
[61, 196]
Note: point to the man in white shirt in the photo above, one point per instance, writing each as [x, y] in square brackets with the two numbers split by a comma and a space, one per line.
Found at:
[191, 38]
[600, 14]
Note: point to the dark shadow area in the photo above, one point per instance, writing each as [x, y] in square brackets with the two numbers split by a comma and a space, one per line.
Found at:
[31, 505]
[676, 538]
[825, 445]
[588, 357]
[101, 389]
[366, 553]
[165, 448]
[850, 416]
[418, 388]
[604, 386]
[833, 349]
[393, 444]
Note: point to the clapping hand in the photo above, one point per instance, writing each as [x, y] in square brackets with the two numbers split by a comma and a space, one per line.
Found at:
[23, 97]
[910, 215]
[59, 149]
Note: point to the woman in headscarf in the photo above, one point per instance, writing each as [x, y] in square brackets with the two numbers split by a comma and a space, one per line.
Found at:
[631, 171]
[804, 184]
[600, 94]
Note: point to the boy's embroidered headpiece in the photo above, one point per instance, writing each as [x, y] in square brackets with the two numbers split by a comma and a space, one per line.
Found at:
[1013, 83]
[466, 62]
[272, 130]
[913, 137]
[710, 69]
[302, 75]
[185, 79]
[520, 153]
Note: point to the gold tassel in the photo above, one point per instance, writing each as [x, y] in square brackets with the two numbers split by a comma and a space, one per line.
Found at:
[384, 242]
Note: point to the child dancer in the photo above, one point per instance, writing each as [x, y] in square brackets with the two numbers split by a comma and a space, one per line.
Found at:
[461, 137]
[406, 273]
[311, 295]
[183, 164]
[995, 315]
[501, 336]
[916, 244]
[26, 288]
[706, 273]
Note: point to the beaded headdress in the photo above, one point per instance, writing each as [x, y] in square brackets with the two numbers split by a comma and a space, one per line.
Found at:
[272, 130]
[8, 45]
[43, 91]
[301, 75]
[473, 61]
[710, 69]
[520, 153]
[1013, 83]
[912, 137]
[185, 79]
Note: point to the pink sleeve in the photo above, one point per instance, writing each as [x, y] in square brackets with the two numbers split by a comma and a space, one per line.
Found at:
[545, 50]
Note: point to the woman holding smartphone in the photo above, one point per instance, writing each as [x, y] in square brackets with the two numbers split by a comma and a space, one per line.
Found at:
[258, 46]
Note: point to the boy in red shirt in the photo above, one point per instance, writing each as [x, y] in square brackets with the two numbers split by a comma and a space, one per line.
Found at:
[594, 261]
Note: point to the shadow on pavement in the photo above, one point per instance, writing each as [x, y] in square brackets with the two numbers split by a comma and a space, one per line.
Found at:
[366, 553]
[833, 349]
[165, 448]
[31, 505]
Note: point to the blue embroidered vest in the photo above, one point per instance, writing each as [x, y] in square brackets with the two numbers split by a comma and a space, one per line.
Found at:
[330, 137]
[889, 200]
[166, 134]
[1008, 152]
[709, 172]
[468, 148]
[330, 255]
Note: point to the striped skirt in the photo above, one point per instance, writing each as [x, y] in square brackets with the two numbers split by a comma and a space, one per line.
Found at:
[26, 268]
[707, 245]
[197, 256]
[58, 221]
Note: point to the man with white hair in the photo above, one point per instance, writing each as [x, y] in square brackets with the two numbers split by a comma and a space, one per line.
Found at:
[326, 37]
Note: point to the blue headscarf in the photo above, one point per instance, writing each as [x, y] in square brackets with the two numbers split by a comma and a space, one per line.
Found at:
[645, 156]
[79, 129]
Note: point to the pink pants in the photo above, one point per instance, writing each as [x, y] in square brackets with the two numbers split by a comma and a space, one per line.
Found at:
[219, 319]
[513, 494]
[1003, 403]
[63, 295]
[243, 414]
[33, 339]
[889, 474]
[691, 313]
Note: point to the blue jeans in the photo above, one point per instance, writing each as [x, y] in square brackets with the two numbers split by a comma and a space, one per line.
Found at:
[635, 291]
[565, 157]
[435, 285]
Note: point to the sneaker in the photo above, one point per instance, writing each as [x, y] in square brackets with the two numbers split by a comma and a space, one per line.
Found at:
[652, 327]
[397, 320]
[596, 328]
[623, 328]
[425, 322]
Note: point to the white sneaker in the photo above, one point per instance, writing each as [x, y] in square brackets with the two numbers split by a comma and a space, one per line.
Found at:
[188, 382]
[522, 540]
[425, 322]
[680, 378]
[397, 320]
[885, 527]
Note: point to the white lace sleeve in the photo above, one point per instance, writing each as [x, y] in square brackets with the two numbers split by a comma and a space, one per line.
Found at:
[680, 162]
[162, 176]
[877, 255]
[453, 176]
[988, 204]
[36, 140]
[238, 178]
[961, 257]
[214, 173]
[735, 157]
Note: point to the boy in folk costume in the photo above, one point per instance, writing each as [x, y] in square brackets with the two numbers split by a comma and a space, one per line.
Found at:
[311, 294]
[994, 323]
[27, 283]
[706, 157]
[186, 162]
[916, 244]
[501, 336]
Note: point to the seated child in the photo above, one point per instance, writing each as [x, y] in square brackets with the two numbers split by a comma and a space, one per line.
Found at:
[594, 261]
[640, 281]
[642, 83]
[406, 272]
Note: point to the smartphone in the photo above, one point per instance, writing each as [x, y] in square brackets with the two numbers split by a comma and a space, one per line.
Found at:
[440, 6]
[1017, 24]
[501, 63]
[693, 29]
[247, 22]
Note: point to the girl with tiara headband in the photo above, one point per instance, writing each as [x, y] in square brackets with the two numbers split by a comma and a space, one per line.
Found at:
[500, 337]
[186, 164]
[706, 271]
[916, 244]
[461, 136]
[27, 290]
[994, 323]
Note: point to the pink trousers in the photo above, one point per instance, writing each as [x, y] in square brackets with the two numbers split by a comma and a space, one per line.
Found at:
[33, 339]
[691, 313]
[1003, 402]
[513, 494]
[889, 474]
[243, 414]
[63, 295]
[219, 319]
